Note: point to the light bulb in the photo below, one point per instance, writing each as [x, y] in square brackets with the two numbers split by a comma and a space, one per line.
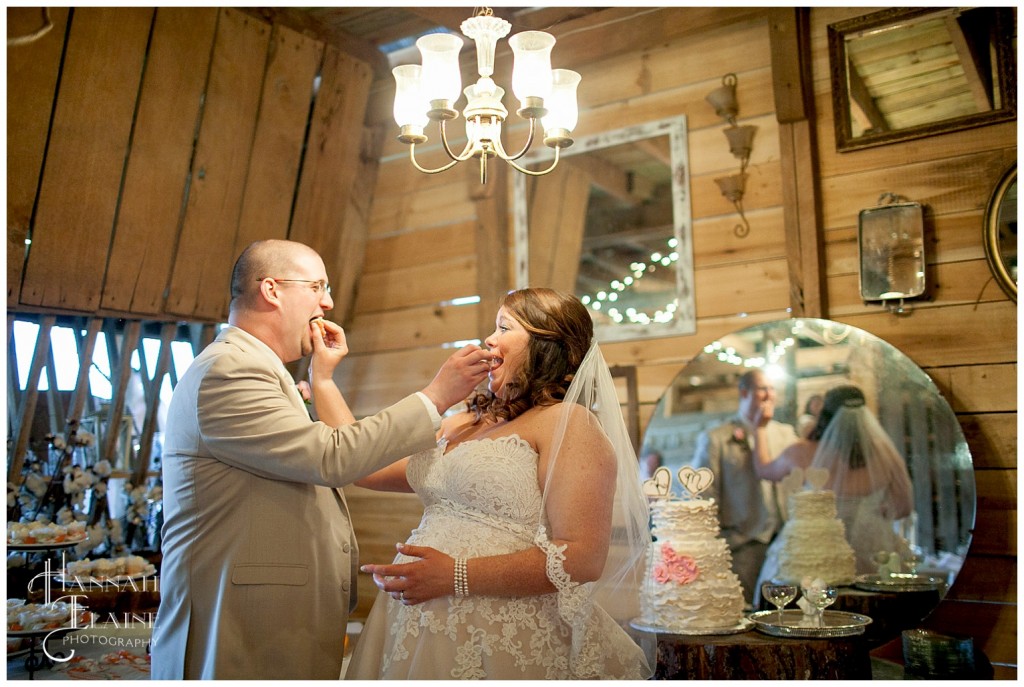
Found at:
[441, 78]
[410, 105]
[531, 71]
[561, 104]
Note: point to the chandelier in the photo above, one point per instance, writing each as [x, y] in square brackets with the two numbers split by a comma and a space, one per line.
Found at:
[428, 92]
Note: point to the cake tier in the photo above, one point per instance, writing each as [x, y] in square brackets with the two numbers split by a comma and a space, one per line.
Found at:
[810, 505]
[697, 519]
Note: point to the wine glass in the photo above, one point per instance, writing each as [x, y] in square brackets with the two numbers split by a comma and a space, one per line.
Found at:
[821, 597]
[779, 595]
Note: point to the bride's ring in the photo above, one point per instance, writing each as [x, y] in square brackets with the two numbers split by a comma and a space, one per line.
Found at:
[401, 596]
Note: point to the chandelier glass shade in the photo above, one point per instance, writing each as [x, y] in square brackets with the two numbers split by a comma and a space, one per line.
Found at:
[428, 92]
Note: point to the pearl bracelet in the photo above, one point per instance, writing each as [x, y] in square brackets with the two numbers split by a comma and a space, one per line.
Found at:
[461, 581]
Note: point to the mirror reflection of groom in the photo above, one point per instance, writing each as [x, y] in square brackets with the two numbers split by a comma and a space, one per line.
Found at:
[747, 506]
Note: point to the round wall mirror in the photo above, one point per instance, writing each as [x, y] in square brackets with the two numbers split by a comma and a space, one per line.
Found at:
[807, 357]
[1001, 232]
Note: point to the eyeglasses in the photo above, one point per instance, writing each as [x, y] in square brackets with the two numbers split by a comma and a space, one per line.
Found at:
[318, 285]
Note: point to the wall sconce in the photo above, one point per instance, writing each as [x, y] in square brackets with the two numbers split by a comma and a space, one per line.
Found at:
[890, 240]
[741, 139]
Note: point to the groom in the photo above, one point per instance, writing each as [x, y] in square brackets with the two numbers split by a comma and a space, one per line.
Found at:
[747, 506]
[258, 551]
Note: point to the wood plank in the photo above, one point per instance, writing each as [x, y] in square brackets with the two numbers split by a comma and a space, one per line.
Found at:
[715, 244]
[292, 66]
[200, 278]
[936, 337]
[992, 438]
[557, 206]
[945, 186]
[121, 373]
[85, 159]
[493, 228]
[332, 164]
[949, 284]
[157, 172]
[979, 388]
[32, 72]
[804, 248]
[356, 219]
[149, 423]
[422, 207]
[986, 578]
[992, 625]
[419, 247]
[948, 238]
[420, 326]
[435, 283]
[27, 410]
[748, 288]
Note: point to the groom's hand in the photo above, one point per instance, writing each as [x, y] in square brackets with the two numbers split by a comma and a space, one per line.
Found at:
[430, 577]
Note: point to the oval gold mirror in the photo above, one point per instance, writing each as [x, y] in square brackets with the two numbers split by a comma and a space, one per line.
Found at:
[1001, 232]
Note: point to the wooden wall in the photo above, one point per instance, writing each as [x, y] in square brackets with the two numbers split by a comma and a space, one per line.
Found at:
[147, 147]
[421, 252]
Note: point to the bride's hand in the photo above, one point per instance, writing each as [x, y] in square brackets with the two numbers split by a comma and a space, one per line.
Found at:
[430, 577]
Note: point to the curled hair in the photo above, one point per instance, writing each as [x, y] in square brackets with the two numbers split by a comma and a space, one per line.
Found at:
[846, 396]
[560, 332]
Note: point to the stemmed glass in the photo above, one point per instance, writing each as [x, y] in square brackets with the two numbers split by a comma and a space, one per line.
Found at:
[821, 597]
[779, 595]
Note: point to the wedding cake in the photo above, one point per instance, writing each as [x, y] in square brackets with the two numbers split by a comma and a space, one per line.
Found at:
[690, 586]
[813, 541]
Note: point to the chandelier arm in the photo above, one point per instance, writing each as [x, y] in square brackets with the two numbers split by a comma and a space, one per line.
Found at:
[412, 158]
[530, 171]
[529, 142]
[461, 157]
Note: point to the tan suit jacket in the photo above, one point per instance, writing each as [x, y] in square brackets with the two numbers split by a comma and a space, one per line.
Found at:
[259, 557]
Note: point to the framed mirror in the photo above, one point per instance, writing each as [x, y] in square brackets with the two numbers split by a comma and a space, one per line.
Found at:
[906, 73]
[612, 224]
[890, 239]
[1001, 232]
[805, 357]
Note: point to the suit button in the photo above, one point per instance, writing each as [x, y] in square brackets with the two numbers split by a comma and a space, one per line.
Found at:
[345, 586]
[345, 548]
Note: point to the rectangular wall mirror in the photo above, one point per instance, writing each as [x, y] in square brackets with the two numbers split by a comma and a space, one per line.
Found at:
[891, 242]
[612, 224]
[906, 73]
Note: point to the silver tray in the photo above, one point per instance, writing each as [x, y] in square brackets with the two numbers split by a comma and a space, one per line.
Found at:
[743, 625]
[835, 624]
[900, 582]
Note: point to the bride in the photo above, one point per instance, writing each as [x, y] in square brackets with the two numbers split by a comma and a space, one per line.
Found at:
[528, 558]
[866, 472]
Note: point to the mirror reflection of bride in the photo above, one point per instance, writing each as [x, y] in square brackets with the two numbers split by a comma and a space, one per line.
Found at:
[866, 473]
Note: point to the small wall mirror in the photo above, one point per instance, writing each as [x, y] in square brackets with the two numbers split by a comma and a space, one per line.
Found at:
[891, 243]
[612, 224]
[1001, 232]
[905, 73]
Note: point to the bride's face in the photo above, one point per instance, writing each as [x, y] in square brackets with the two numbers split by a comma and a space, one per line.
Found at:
[509, 344]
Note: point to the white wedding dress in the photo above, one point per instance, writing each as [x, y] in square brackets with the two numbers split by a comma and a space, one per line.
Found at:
[482, 499]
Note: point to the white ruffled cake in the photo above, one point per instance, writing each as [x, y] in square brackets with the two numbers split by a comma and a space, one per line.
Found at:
[814, 541]
[690, 586]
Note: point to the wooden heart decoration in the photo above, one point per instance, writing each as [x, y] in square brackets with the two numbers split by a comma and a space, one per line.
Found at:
[659, 485]
[695, 480]
[794, 481]
[817, 477]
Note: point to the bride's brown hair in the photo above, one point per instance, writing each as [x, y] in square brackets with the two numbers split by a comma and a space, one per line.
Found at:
[560, 331]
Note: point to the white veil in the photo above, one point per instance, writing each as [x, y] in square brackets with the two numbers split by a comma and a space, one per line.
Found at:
[870, 480]
[617, 591]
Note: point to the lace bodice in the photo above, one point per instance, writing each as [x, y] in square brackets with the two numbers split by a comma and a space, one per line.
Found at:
[482, 496]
